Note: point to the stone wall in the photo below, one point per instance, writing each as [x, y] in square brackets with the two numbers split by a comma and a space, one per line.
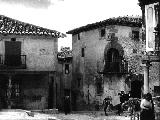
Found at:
[40, 51]
[85, 68]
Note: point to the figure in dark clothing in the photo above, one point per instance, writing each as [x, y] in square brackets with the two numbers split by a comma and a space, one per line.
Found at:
[122, 100]
[147, 108]
[67, 105]
[106, 103]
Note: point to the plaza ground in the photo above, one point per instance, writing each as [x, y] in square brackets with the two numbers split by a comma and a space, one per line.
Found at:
[91, 115]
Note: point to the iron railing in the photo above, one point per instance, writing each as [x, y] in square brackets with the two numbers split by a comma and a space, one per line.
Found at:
[116, 67]
[12, 61]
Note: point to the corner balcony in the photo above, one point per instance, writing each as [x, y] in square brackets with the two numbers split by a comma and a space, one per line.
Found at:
[12, 61]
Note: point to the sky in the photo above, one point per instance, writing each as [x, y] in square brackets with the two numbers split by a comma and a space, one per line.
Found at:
[65, 15]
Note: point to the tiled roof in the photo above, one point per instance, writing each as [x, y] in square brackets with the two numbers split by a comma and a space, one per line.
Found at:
[124, 21]
[12, 26]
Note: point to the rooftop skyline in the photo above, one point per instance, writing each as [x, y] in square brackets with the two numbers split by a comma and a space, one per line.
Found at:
[65, 15]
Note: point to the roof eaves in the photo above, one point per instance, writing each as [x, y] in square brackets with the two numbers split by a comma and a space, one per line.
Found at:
[124, 21]
[146, 2]
[12, 26]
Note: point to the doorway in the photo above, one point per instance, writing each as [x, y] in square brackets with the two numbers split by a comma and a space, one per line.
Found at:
[136, 89]
[51, 94]
[12, 53]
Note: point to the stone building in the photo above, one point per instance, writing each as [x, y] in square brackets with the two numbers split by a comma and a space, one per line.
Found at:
[65, 72]
[106, 60]
[151, 36]
[28, 65]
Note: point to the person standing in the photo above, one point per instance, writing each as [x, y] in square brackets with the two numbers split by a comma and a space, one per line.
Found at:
[105, 103]
[122, 100]
[67, 105]
[147, 108]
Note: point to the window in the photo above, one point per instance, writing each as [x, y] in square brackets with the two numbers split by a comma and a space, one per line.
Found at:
[66, 68]
[13, 39]
[112, 61]
[99, 88]
[79, 82]
[111, 36]
[102, 33]
[135, 35]
[99, 84]
[134, 50]
[78, 36]
[82, 51]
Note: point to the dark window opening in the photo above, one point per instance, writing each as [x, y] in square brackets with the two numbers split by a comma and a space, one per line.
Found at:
[66, 68]
[13, 53]
[102, 33]
[99, 87]
[82, 52]
[79, 82]
[78, 36]
[135, 35]
[111, 35]
[157, 90]
[113, 55]
[134, 50]
[13, 39]
[113, 61]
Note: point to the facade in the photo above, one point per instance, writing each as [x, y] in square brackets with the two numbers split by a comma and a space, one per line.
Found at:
[106, 60]
[151, 36]
[65, 72]
[28, 65]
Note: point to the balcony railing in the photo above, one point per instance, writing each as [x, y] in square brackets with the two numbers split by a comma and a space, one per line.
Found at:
[12, 61]
[116, 67]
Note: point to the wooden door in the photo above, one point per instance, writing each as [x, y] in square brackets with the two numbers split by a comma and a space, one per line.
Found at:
[13, 53]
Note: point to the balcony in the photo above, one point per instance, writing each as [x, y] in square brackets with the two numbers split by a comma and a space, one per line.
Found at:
[12, 61]
[115, 68]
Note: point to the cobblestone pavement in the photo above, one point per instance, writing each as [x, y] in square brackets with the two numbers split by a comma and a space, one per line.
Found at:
[90, 116]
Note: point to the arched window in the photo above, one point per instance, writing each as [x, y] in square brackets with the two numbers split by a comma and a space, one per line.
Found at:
[113, 55]
[112, 61]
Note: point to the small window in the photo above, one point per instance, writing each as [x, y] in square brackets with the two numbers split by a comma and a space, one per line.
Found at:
[13, 39]
[135, 35]
[79, 82]
[66, 68]
[82, 52]
[102, 33]
[111, 36]
[99, 88]
[134, 50]
[78, 36]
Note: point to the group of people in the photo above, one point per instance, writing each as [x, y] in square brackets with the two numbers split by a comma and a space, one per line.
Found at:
[145, 105]
[124, 97]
